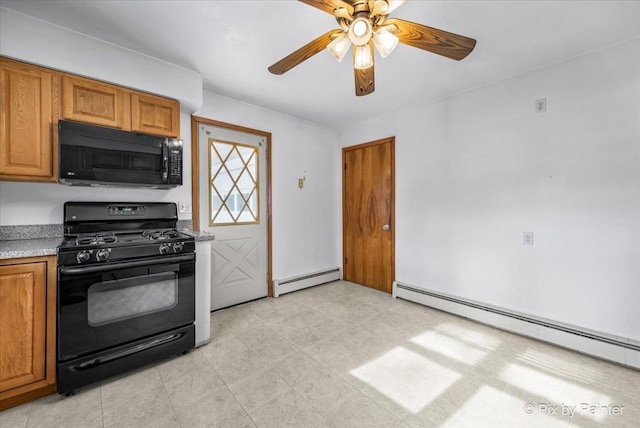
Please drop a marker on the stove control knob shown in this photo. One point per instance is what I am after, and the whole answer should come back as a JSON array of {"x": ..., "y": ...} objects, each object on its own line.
[
  {"x": 83, "y": 256},
  {"x": 177, "y": 247},
  {"x": 102, "y": 254},
  {"x": 165, "y": 248}
]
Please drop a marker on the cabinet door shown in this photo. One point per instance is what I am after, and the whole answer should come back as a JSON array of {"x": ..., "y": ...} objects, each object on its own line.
[
  {"x": 22, "y": 324},
  {"x": 155, "y": 115},
  {"x": 94, "y": 102},
  {"x": 27, "y": 95}
]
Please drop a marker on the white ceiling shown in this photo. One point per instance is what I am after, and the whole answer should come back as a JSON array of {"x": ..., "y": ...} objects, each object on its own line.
[{"x": 231, "y": 43}]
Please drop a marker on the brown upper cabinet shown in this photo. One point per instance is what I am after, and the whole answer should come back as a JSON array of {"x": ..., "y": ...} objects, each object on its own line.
[
  {"x": 88, "y": 101},
  {"x": 155, "y": 115},
  {"x": 33, "y": 99},
  {"x": 28, "y": 112}
]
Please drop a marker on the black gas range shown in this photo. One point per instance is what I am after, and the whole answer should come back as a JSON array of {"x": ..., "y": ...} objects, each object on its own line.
[
  {"x": 126, "y": 289},
  {"x": 113, "y": 232}
]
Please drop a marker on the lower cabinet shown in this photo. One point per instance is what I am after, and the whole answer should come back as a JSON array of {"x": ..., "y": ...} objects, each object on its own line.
[{"x": 27, "y": 329}]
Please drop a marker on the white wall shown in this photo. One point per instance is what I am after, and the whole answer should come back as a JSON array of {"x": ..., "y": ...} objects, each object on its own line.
[
  {"x": 31, "y": 40},
  {"x": 305, "y": 228},
  {"x": 477, "y": 170}
]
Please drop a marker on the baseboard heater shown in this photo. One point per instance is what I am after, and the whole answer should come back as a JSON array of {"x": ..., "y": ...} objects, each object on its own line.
[
  {"x": 295, "y": 283},
  {"x": 613, "y": 348}
]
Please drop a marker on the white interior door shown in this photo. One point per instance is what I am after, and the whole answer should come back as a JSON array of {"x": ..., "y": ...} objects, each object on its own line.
[{"x": 233, "y": 206}]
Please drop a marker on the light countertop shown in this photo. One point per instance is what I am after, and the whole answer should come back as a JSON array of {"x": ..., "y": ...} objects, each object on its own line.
[
  {"x": 29, "y": 248},
  {"x": 199, "y": 235}
]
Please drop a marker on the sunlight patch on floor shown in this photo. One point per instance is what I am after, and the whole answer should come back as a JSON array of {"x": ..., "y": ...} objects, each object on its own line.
[
  {"x": 407, "y": 378},
  {"x": 476, "y": 338},
  {"x": 549, "y": 363},
  {"x": 489, "y": 407},
  {"x": 557, "y": 390},
  {"x": 449, "y": 347}
]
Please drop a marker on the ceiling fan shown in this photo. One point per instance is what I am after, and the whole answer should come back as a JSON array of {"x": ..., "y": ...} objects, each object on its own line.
[{"x": 365, "y": 24}]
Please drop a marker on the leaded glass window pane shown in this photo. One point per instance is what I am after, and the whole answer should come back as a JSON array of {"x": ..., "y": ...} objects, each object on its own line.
[{"x": 233, "y": 182}]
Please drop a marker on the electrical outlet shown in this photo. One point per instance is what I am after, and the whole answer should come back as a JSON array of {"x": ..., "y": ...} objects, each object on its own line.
[
  {"x": 184, "y": 207},
  {"x": 541, "y": 105},
  {"x": 527, "y": 238}
]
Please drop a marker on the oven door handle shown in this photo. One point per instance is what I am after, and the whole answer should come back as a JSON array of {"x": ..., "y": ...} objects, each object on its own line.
[{"x": 79, "y": 270}]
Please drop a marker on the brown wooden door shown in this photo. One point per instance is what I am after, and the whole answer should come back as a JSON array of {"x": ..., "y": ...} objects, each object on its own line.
[
  {"x": 368, "y": 188},
  {"x": 27, "y": 111},
  {"x": 27, "y": 329},
  {"x": 23, "y": 310}
]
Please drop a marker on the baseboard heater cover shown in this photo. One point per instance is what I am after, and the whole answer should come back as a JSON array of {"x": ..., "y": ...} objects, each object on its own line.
[
  {"x": 295, "y": 283},
  {"x": 613, "y": 348}
]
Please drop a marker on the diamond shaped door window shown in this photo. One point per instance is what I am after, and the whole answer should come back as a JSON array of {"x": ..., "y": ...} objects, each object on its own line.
[{"x": 233, "y": 183}]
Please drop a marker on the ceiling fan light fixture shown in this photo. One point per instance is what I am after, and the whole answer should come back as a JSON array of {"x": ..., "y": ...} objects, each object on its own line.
[
  {"x": 360, "y": 31},
  {"x": 365, "y": 24},
  {"x": 339, "y": 47},
  {"x": 385, "y": 41},
  {"x": 363, "y": 58}
]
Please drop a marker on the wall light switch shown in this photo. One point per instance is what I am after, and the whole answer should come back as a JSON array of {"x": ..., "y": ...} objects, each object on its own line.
[
  {"x": 184, "y": 207},
  {"x": 527, "y": 238}
]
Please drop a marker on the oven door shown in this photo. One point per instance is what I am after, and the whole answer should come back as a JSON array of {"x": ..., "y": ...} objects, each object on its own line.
[{"x": 106, "y": 305}]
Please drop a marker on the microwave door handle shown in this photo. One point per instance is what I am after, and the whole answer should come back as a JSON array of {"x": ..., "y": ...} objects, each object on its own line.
[{"x": 165, "y": 163}]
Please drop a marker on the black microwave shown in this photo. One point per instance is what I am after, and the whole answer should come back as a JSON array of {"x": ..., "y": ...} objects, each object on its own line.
[{"x": 91, "y": 155}]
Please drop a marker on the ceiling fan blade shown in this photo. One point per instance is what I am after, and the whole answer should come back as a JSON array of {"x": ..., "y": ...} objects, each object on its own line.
[
  {"x": 304, "y": 53},
  {"x": 364, "y": 78},
  {"x": 329, "y": 5},
  {"x": 378, "y": 7},
  {"x": 342, "y": 12},
  {"x": 394, "y": 4},
  {"x": 430, "y": 39},
  {"x": 365, "y": 83}
]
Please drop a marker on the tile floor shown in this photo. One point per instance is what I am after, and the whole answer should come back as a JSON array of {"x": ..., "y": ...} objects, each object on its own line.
[{"x": 342, "y": 355}]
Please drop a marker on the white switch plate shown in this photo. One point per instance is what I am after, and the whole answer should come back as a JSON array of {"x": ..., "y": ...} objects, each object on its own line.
[
  {"x": 184, "y": 207},
  {"x": 527, "y": 238}
]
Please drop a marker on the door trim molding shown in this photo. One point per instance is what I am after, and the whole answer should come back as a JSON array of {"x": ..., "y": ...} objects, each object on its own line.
[
  {"x": 195, "y": 182},
  {"x": 392, "y": 141}
]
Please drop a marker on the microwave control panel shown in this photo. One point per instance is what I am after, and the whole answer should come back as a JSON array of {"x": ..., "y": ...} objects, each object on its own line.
[{"x": 175, "y": 163}]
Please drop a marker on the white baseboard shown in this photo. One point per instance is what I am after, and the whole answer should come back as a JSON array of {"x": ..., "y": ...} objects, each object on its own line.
[
  {"x": 613, "y": 348},
  {"x": 295, "y": 283}
]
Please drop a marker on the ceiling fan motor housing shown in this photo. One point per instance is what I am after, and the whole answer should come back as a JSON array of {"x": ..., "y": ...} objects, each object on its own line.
[{"x": 360, "y": 6}]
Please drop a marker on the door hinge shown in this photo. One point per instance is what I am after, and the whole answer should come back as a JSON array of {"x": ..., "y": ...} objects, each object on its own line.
[
  {"x": 345, "y": 166},
  {"x": 345, "y": 260}
]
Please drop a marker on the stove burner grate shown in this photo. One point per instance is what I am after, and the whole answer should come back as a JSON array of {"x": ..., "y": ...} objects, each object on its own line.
[
  {"x": 154, "y": 235},
  {"x": 96, "y": 239}
]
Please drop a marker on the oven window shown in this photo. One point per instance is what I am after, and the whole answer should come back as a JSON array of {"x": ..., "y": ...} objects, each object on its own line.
[{"x": 121, "y": 299}]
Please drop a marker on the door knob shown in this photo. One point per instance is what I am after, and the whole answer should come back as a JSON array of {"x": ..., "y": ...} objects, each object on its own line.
[{"x": 386, "y": 227}]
